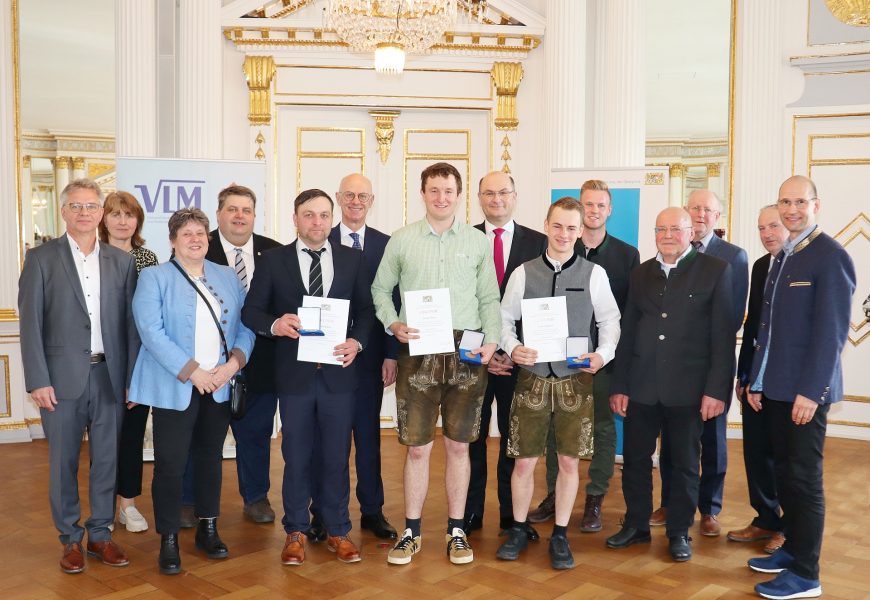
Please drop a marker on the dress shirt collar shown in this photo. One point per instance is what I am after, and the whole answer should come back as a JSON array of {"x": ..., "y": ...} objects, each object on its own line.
[
  {"x": 345, "y": 231},
  {"x": 705, "y": 241},
  {"x": 454, "y": 227},
  {"x": 789, "y": 246},
  {"x": 301, "y": 247},
  {"x": 508, "y": 227},
  {"x": 666, "y": 266},
  {"x": 557, "y": 266},
  {"x": 230, "y": 249},
  {"x": 77, "y": 250}
]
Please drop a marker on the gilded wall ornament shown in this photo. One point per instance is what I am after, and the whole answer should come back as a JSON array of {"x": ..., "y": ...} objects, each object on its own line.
[
  {"x": 384, "y": 131},
  {"x": 850, "y": 12}
]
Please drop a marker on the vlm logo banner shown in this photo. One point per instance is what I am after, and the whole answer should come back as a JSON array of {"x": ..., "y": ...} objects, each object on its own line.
[{"x": 164, "y": 185}]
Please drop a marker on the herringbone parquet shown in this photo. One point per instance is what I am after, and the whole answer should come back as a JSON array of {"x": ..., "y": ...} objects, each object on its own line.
[{"x": 29, "y": 550}]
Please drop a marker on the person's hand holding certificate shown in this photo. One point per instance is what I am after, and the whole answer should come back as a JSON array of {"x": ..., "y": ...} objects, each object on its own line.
[
  {"x": 428, "y": 311},
  {"x": 333, "y": 323},
  {"x": 545, "y": 328}
]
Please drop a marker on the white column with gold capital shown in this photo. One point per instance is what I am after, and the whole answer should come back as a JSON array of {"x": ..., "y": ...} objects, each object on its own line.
[
  {"x": 677, "y": 177},
  {"x": 9, "y": 174},
  {"x": 619, "y": 136},
  {"x": 200, "y": 91},
  {"x": 62, "y": 173},
  {"x": 565, "y": 83},
  {"x": 136, "y": 77}
]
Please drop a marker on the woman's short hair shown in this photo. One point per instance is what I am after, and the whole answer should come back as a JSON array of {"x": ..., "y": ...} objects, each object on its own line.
[
  {"x": 123, "y": 201},
  {"x": 182, "y": 217}
]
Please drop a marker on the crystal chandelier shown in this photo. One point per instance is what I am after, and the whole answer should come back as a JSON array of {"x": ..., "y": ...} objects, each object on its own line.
[{"x": 390, "y": 28}]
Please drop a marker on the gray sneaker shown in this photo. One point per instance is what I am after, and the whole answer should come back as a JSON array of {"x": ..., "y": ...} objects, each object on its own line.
[
  {"x": 560, "y": 553},
  {"x": 260, "y": 511},
  {"x": 518, "y": 540}
]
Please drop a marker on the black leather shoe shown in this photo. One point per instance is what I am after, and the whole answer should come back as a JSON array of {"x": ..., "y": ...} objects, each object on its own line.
[
  {"x": 208, "y": 540},
  {"x": 316, "y": 532},
  {"x": 169, "y": 560},
  {"x": 628, "y": 536},
  {"x": 378, "y": 525},
  {"x": 560, "y": 553},
  {"x": 505, "y": 524},
  {"x": 680, "y": 548},
  {"x": 517, "y": 541},
  {"x": 472, "y": 522}
]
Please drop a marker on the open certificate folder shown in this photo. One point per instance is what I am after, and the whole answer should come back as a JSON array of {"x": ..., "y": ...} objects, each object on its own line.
[
  {"x": 333, "y": 323},
  {"x": 545, "y": 327},
  {"x": 429, "y": 312}
]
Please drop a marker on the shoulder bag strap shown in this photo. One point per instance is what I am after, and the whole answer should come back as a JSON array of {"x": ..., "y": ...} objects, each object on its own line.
[{"x": 207, "y": 304}]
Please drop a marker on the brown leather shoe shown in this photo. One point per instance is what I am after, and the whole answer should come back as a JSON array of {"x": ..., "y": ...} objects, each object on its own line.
[
  {"x": 73, "y": 559},
  {"x": 659, "y": 517},
  {"x": 344, "y": 548},
  {"x": 750, "y": 533},
  {"x": 710, "y": 526},
  {"x": 774, "y": 543},
  {"x": 592, "y": 514},
  {"x": 294, "y": 549},
  {"x": 109, "y": 552},
  {"x": 546, "y": 509}
]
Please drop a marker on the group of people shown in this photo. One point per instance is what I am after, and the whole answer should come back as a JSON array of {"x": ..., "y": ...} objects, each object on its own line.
[{"x": 108, "y": 335}]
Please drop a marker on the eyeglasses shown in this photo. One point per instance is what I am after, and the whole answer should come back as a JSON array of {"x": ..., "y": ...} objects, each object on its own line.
[
  {"x": 701, "y": 209},
  {"x": 502, "y": 194},
  {"x": 362, "y": 196},
  {"x": 671, "y": 230},
  {"x": 78, "y": 207},
  {"x": 797, "y": 202}
]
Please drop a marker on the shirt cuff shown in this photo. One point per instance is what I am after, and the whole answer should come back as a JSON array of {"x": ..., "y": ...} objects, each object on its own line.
[{"x": 187, "y": 370}]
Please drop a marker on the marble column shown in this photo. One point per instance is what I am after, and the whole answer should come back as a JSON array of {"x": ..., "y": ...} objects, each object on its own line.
[
  {"x": 26, "y": 195},
  {"x": 677, "y": 177},
  {"x": 9, "y": 168},
  {"x": 200, "y": 123},
  {"x": 618, "y": 88},
  {"x": 565, "y": 83},
  {"x": 714, "y": 184},
  {"x": 78, "y": 167},
  {"x": 62, "y": 166},
  {"x": 135, "y": 78}
]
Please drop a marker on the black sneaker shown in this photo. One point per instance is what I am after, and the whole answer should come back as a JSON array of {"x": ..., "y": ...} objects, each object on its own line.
[
  {"x": 560, "y": 553},
  {"x": 518, "y": 540}
]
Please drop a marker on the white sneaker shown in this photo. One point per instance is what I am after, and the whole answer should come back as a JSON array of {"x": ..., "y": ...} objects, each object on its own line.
[{"x": 132, "y": 519}]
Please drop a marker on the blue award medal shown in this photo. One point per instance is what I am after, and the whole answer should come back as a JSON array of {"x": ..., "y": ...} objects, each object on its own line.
[
  {"x": 310, "y": 318},
  {"x": 470, "y": 340},
  {"x": 575, "y": 347}
]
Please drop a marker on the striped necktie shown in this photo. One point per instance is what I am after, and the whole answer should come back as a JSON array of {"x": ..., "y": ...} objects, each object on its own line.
[
  {"x": 241, "y": 272},
  {"x": 355, "y": 237},
  {"x": 315, "y": 274}
]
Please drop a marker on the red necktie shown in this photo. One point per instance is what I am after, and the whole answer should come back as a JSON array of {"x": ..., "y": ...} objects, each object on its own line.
[{"x": 498, "y": 254}]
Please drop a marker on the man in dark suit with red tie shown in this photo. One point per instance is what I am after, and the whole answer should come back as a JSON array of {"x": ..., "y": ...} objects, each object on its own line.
[
  {"x": 376, "y": 366},
  {"x": 512, "y": 245},
  {"x": 316, "y": 399}
]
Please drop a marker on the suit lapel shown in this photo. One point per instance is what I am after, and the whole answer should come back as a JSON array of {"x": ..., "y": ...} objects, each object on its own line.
[
  {"x": 292, "y": 264},
  {"x": 514, "y": 256},
  {"x": 69, "y": 265},
  {"x": 337, "y": 269}
]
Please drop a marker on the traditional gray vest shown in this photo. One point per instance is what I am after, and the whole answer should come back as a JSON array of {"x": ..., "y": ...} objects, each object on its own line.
[{"x": 573, "y": 283}]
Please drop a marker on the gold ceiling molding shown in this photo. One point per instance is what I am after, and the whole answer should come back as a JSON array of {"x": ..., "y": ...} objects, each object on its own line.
[
  {"x": 384, "y": 131},
  {"x": 479, "y": 12},
  {"x": 259, "y": 72},
  {"x": 678, "y": 170},
  {"x": 62, "y": 162},
  {"x": 850, "y": 12},
  {"x": 78, "y": 163},
  {"x": 98, "y": 169},
  {"x": 714, "y": 169}
]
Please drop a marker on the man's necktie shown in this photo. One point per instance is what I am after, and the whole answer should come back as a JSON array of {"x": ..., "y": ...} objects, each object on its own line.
[
  {"x": 355, "y": 237},
  {"x": 241, "y": 272},
  {"x": 699, "y": 246},
  {"x": 315, "y": 274},
  {"x": 498, "y": 254}
]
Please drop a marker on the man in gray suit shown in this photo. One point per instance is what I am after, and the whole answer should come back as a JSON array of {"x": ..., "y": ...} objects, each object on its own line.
[{"x": 78, "y": 345}]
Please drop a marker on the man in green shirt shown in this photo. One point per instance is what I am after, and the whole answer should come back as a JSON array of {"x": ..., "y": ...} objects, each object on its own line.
[{"x": 439, "y": 251}]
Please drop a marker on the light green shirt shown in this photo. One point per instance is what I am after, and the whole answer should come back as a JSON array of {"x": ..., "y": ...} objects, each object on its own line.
[{"x": 416, "y": 258}]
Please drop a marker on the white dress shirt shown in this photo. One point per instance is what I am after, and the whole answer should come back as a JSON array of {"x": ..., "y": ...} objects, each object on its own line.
[
  {"x": 247, "y": 254},
  {"x": 604, "y": 307},
  {"x": 346, "y": 240},
  {"x": 326, "y": 269},
  {"x": 507, "y": 237},
  {"x": 666, "y": 267},
  {"x": 88, "y": 269}
]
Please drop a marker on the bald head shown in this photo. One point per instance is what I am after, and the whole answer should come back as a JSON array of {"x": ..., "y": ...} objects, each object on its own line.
[
  {"x": 355, "y": 198},
  {"x": 705, "y": 209},
  {"x": 798, "y": 204},
  {"x": 673, "y": 233},
  {"x": 498, "y": 197}
]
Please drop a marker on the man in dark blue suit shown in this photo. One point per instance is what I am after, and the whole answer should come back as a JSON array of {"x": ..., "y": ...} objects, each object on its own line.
[
  {"x": 796, "y": 375},
  {"x": 316, "y": 400},
  {"x": 705, "y": 209},
  {"x": 376, "y": 366}
]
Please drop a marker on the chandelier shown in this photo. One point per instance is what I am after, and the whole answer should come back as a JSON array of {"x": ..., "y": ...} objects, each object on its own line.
[{"x": 390, "y": 28}]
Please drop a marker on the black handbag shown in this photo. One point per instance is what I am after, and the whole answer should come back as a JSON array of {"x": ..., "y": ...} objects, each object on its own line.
[{"x": 238, "y": 387}]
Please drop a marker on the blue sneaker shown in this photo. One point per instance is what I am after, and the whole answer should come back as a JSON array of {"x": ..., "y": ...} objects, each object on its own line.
[
  {"x": 788, "y": 585},
  {"x": 777, "y": 562}
]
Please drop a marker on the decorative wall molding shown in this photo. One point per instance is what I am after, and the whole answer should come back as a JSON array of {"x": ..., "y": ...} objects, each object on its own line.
[
  {"x": 384, "y": 131},
  {"x": 259, "y": 72}
]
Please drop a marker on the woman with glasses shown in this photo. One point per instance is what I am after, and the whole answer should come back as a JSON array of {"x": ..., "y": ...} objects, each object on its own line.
[
  {"x": 187, "y": 311},
  {"x": 121, "y": 226}
]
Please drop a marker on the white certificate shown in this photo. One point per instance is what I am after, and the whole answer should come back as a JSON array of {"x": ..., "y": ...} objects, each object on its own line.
[
  {"x": 429, "y": 311},
  {"x": 333, "y": 323},
  {"x": 545, "y": 327}
]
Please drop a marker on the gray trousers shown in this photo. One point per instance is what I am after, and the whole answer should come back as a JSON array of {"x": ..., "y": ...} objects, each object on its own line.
[{"x": 100, "y": 413}]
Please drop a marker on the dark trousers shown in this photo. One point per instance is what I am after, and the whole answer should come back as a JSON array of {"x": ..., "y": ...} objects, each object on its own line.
[
  {"x": 328, "y": 418},
  {"x": 98, "y": 411},
  {"x": 798, "y": 453},
  {"x": 500, "y": 388},
  {"x": 714, "y": 463},
  {"x": 759, "y": 463},
  {"x": 604, "y": 435},
  {"x": 253, "y": 434},
  {"x": 642, "y": 426},
  {"x": 130, "y": 450},
  {"x": 198, "y": 431},
  {"x": 367, "y": 444}
]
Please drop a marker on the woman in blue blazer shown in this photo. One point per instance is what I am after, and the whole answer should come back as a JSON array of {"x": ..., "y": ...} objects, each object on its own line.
[{"x": 182, "y": 372}]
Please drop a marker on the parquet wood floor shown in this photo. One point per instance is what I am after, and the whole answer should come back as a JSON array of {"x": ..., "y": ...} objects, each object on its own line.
[{"x": 29, "y": 550}]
